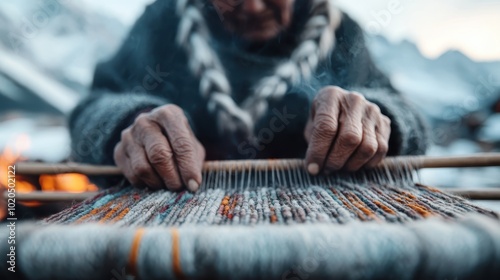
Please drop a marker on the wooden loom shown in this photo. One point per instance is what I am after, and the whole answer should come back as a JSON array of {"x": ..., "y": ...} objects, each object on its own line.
[
  {"x": 375, "y": 228},
  {"x": 414, "y": 162}
]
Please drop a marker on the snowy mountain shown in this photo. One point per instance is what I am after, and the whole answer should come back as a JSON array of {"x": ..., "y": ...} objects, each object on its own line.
[
  {"x": 51, "y": 48},
  {"x": 63, "y": 38},
  {"x": 446, "y": 88}
]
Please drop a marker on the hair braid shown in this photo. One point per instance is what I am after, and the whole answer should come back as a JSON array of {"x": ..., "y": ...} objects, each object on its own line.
[
  {"x": 317, "y": 41},
  {"x": 193, "y": 36}
]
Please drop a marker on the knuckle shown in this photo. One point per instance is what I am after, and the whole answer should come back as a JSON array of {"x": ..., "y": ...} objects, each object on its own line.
[
  {"x": 142, "y": 117},
  {"x": 383, "y": 148},
  {"x": 172, "y": 111},
  {"x": 356, "y": 97},
  {"x": 142, "y": 120},
  {"x": 325, "y": 124},
  {"x": 368, "y": 149},
  {"x": 159, "y": 155},
  {"x": 126, "y": 134},
  {"x": 373, "y": 108},
  {"x": 330, "y": 90},
  {"x": 350, "y": 138},
  {"x": 327, "y": 94},
  {"x": 387, "y": 121},
  {"x": 182, "y": 145},
  {"x": 141, "y": 170}
]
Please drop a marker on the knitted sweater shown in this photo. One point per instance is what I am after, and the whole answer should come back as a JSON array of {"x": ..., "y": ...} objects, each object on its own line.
[{"x": 150, "y": 70}]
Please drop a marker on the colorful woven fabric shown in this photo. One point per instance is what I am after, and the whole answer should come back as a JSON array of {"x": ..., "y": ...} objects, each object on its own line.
[
  {"x": 369, "y": 227},
  {"x": 338, "y": 203}
]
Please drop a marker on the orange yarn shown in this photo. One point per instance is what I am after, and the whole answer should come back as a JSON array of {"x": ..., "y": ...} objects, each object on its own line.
[
  {"x": 111, "y": 213},
  {"x": 422, "y": 210},
  {"x": 94, "y": 212},
  {"x": 134, "y": 252},
  {"x": 384, "y": 207},
  {"x": 360, "y": 205},
  {"x": 176, "y": 255},
  {"x": 121, "y": 215}
]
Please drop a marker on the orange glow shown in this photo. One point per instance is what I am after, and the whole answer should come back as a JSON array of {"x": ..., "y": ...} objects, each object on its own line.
[
  {"x": 48, "y": 183},
  {"x": 66, "y": 182},
  {"x": 8, "y": 157}
]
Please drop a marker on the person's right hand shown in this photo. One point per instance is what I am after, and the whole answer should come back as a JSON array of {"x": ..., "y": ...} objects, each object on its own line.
[{"x": 160, "y": 151}]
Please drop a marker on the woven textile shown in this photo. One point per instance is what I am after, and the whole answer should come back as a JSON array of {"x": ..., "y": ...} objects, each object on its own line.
[
  {"x": 340, "y": 203},
  {"x": 322, "y": 229}
]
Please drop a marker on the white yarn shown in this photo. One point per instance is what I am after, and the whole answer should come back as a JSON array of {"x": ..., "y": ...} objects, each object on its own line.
[
  {"x": 428, "y": 249},
  {"x": 318, "y": 40}
]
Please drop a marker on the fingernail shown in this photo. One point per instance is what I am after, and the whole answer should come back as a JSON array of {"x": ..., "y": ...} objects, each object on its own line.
[
  {"x": 192, "y": 185},
  {"x": 313, "y": 168}
]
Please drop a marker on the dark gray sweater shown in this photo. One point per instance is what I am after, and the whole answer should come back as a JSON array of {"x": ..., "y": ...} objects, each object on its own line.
[{"x": 150, "y": 70}]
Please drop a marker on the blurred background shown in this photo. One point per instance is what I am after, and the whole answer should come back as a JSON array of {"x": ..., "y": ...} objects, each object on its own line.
[{"x": 443, "y": 55}]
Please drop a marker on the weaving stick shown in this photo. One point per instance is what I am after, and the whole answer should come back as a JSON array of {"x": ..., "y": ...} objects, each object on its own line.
[
  {"x": 418, "y": 162},
  {"x": 41, "y": 196}
]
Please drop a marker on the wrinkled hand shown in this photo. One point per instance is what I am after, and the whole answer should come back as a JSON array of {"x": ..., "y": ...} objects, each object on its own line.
[
  {"x": 345, "y": 131},
  {"x": 160, "y": 151}
]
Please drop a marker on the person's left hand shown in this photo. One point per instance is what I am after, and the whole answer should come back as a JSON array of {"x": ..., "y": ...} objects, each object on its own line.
[{"x": 345, "y": 131}]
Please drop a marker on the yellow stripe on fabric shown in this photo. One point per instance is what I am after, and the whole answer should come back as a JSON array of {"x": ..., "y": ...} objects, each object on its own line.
[
  {"x": 176, "y": 255},
  {"x": 134, "y": 252}
]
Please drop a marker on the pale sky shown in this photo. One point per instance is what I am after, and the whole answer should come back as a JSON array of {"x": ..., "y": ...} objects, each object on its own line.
[{"x": 471, "y": 26}]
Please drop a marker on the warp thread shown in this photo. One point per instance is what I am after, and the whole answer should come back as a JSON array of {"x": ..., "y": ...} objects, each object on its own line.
[{"x": 339, "y": 203}]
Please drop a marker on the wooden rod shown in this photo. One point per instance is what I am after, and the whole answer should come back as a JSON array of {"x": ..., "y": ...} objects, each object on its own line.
[
  {"x": 477, "y": 194},
  {"x": 476, "y": 160},
  {"x": 40, "y": 196}
]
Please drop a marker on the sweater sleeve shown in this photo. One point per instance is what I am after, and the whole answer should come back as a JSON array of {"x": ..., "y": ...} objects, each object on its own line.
[
  {"x": 96, "y": 124},
  {"x": 131, "y": 81}
]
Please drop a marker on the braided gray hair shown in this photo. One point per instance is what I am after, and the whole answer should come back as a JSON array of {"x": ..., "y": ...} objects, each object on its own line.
[{"x": 316, "y": 42}]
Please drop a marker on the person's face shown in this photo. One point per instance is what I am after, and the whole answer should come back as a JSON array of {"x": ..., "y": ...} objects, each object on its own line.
[{"x": 257, "y": 20}]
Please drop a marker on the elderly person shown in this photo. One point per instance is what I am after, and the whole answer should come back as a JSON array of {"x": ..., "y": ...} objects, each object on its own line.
[{"x": 232, "y": 79}]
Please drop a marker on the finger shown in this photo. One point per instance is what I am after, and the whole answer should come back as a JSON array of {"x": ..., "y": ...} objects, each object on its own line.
[
  {"x": 323, "y": 129},
  {"x": 383, "y": 133},
  {"x": 366, "y": 150},
  {"x": 184, "y": 146},
  {"x": 308, "y": 130},
  {"x": 201, "y": 157},
  {"x": 350, "y": 131},
  {"x": 123, "y": 162},
  {"x": 161, "y": 157},
  {"x": 146, "y": 134},
  {"x": 142, "y": 168},
  {"x": 310, "y": 123}
]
